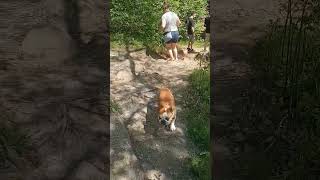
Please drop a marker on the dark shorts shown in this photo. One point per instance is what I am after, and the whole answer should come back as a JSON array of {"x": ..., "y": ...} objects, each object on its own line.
[{"x": 174, "y": 39}]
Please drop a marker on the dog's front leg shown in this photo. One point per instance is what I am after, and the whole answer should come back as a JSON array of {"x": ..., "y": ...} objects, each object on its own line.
[{"x": 172, "y": 121}]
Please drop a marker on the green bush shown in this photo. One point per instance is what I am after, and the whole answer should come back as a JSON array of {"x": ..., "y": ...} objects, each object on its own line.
[
  {"x": 201, "y": 166},
  {"x": 197, "y": 116},
  {"x": 286, "y": 62},
  {"x": 138, "y": 20}
]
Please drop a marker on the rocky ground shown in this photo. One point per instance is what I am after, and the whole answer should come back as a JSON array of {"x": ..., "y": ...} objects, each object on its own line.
[
  {"x": 141, "y": 148},
  {"x": 53, "y": 87}
]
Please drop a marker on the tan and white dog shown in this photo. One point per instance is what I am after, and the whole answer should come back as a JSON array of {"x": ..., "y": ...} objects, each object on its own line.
[{"x": 167, "y": 108}]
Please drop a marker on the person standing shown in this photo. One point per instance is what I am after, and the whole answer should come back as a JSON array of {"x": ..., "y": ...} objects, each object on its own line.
[
  {"x": 190, "y": 31},
  {"x": 169, "y": 24}
]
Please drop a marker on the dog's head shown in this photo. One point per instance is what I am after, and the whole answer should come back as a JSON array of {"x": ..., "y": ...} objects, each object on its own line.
[{"x": 165, "y": 114}]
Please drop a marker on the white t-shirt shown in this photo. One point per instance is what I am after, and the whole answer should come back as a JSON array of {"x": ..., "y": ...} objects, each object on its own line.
[{"x": 169, "y": 21}]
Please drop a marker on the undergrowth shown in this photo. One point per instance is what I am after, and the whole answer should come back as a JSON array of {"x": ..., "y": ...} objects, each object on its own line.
[
  {"x": 114, "y": 107},
  {"x": 197, "y": 117},
  {"x": 283, "y": 111}
]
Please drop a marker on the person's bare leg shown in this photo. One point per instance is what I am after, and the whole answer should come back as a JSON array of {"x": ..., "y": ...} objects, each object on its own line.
[
  {"x": 175, "y": 50},
  {"x": 169, "y": 48}
]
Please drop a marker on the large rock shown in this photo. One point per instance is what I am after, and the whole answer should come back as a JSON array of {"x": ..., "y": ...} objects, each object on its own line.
[
  {"x": 121, "y": 73},
  {"x": 124, "y": 76},
  {"x": 47, "y": 46}
]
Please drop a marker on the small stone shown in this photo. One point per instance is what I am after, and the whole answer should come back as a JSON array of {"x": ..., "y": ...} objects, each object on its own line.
[{"x": 124, "y": 76}]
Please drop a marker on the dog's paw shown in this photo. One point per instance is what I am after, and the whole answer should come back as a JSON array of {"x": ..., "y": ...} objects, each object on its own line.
[{"x": 172, "y": 127}]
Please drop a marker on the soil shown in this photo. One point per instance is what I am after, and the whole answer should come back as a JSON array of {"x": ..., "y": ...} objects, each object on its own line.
[
  {"x": 147, "y": 150},
  {"x": 157, "y": 153}
]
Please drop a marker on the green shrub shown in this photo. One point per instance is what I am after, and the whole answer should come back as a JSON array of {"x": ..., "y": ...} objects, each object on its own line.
[
  {"x": 286, "y": 64},
  {"x": 139, "y": 20},
  {"x": 114, "y": 107},
  {"x": 201, "y": 166},
  {"x": 197, "y": 117}
]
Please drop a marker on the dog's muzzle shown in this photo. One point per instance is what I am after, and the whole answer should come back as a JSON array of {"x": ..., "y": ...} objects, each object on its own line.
[{"x": 164, "y": 121}]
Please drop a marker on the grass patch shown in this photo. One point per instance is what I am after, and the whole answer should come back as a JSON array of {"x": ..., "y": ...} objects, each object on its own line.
[
  {"x": 114, "y": 107},
  {"x": 197, "y": 116},
  {"x": 201, "y": 166},
  {"x": 117, "y": 44},
  {"x": 196, "y": 44}
]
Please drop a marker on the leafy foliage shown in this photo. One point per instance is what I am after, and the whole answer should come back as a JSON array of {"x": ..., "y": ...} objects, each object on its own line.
[
  {"x": 201, "y": 166},
  {"x": 135, "y": 20},
  {"x": 287, "y": 64},
  {"x": 138, "y": 20},
  {"x": 114, "y": 107},
  {"x": 184, "y": 8}
]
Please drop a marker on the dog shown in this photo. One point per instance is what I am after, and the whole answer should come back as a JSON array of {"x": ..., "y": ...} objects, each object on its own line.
[{"x": 167, "y": 108}]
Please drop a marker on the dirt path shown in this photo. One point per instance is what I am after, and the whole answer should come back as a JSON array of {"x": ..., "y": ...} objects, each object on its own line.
[
  {"x": 236, "y": 26},
  {"x": 138, "y": 148}
]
